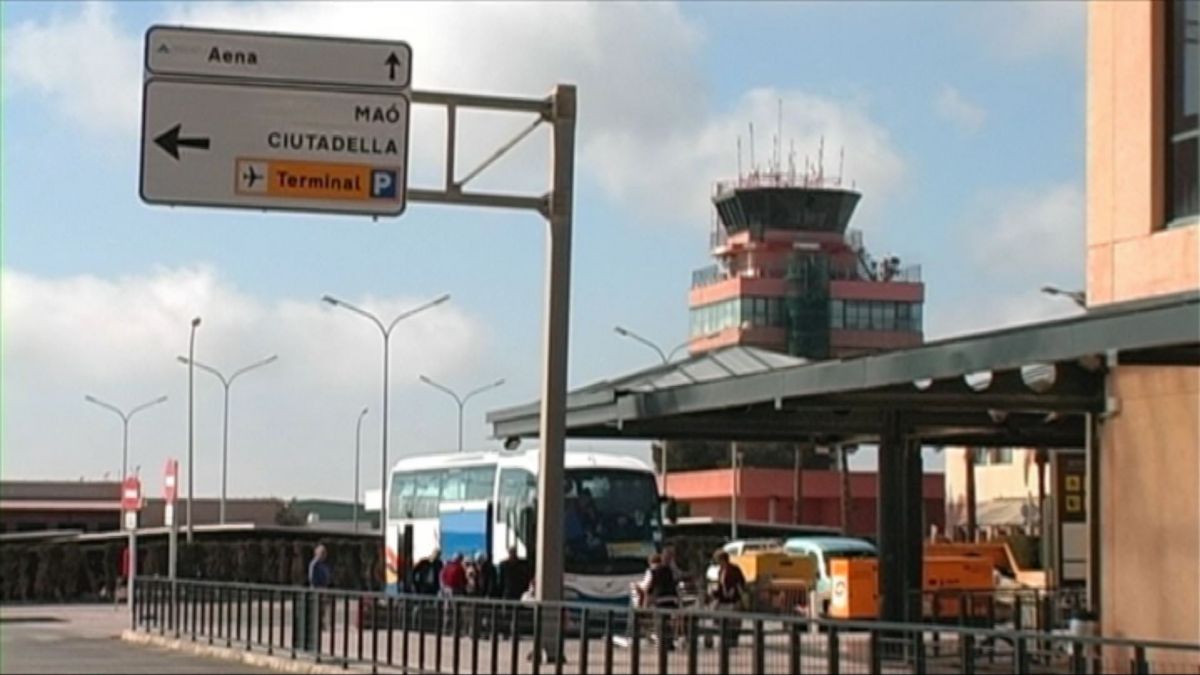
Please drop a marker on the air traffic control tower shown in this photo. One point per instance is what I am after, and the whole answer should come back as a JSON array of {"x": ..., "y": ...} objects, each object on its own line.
[{"x": 790, "y": 276}]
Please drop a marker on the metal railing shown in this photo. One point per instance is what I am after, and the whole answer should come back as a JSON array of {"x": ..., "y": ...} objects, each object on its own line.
[{"x": 466, "y": 635}]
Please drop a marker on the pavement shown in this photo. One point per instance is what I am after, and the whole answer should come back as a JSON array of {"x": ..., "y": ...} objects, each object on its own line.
[{"x": 87, "y": 639}]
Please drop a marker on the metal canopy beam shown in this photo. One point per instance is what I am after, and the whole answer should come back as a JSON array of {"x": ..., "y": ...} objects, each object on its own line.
[{"x": 1163, "y": 332}]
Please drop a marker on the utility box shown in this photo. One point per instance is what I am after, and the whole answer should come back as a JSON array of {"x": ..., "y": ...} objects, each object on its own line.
[{"x": 855, "y": 593}]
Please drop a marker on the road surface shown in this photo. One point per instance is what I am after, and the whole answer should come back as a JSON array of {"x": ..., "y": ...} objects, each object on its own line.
[{"x": 86, "y": 639}]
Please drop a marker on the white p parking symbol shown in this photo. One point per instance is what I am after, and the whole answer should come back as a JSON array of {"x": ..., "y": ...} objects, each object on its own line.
[{"x": 383, "y": 183}]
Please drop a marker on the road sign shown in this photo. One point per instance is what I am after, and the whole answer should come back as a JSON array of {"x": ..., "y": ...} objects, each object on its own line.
[
  {"x": 271, "y": 121},
  {"x": 276, "y": 57},
  {"x": 131, "y": 494},
  {"x": 223, "y": 144},
  {"x": 170, "y": 480}
]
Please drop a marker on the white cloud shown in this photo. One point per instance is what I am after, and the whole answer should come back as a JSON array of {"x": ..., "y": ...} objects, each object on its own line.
[
  {"x": 118, "y": 339},
  {"x": 953, "y": 107},
  {"x": 647, "y": 129},
  {"x": 1026, "y": 238},
  {"x": 1022, "y": 30},
  {"x": 82, "y": 62},
  {"x": 988, "y": 311},
  {"x": 1031, "y": 230}
]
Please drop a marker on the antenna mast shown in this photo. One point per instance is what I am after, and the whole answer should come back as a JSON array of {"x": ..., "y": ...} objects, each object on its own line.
[
  {"x": 753, "y": 166},
  {"x": 841, "y": 164}
]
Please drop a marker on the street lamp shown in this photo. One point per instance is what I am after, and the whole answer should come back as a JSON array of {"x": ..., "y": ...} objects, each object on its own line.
[
  {"x": 666, "y": 358},
  {"x": 461, "y": 401},
  {"x": 386, "y": 331},
  {"x": 1079, "y": 297},
  {"x": 191, "y": 423},
  {"x": 357, "y": 444},
  {"x": 227, "y": 383},
  {"x": 125, "y": 417}
]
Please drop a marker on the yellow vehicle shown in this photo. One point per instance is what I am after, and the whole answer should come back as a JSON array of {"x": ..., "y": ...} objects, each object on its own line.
[{"x": 949, "y": 579}]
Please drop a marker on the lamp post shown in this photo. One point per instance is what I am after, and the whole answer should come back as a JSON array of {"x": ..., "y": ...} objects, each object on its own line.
[
  {"x": 1078, "y": 297},
  {"x": 461, "y": 401},
  {"x": 357, "y": 445},
  {"x": 125, "y": 417},
  {"x": 191, "y": 424},
  {"x": 666, "y": 358},
  {"x": 386, "y": 331},
  {"x": 226, "y": 383}
]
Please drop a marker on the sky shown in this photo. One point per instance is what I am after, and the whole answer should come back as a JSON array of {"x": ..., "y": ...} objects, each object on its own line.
[{"x": 962, "y": 124}]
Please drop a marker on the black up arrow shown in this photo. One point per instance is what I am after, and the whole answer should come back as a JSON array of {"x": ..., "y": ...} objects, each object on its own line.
[
  {"x": 392, "y": 62},
  {"x": 170, "y": 141}
]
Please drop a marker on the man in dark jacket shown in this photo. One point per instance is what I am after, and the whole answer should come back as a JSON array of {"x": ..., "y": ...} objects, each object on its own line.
[
  {"x": 514, "y": 576},
  {"x": 427, "y": 574}
]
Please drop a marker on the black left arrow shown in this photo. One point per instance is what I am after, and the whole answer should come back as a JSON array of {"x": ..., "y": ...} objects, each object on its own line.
[
  {"x": 170, "y": 141},
  {"x": 392, "y": 62}
]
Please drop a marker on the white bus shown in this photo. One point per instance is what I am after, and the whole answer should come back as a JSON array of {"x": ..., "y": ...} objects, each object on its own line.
[{"x": 612, "y": 519}]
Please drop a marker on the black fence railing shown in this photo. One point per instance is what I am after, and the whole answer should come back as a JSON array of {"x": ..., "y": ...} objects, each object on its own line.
[
  {"x": 1040, "y": 610},
  {"x": 423, "y": 634}
]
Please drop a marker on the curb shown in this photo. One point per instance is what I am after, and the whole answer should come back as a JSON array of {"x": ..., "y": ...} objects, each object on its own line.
[{"x": 255, "y": 659}]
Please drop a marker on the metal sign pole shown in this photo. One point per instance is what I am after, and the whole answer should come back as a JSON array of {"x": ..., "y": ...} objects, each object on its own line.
[{"x": 554, "y": 376}]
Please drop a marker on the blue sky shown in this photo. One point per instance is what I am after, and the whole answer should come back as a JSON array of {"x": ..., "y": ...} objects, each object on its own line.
[{"x": 961, "y": 122}]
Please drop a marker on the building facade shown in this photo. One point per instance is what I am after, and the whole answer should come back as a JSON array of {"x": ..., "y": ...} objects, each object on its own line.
[
  {"x": 789, "y": 276},
  {"x": 1143, "y": 217},
  {"x": 769, "y": 496},
  {"x": 1006, "y": 490}
]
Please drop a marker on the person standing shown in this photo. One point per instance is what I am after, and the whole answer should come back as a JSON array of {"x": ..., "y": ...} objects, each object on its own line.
[
  {"x": 427, "y": 573},
  {"x": 319, "y": 573},
  {"x": 454, "y": 577},
  {"x": 319, "y": 577},
  {"x": 728, "y": 594},
  {"x": 514, "y": 576}
]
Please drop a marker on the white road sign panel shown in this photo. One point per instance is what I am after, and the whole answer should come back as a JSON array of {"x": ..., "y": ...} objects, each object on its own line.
[
  {"x": 282, "y": 58},
  {"x": 274, "y": 147}
]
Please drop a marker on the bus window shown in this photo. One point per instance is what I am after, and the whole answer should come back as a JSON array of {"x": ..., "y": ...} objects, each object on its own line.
[
  {"x": 518, "y": 488},
  {"x": 403, "y": 485},
  {"x": 479, "y": 482},
  {"x": 428, "y": 492},
  {"x": 454, "y": 486}
]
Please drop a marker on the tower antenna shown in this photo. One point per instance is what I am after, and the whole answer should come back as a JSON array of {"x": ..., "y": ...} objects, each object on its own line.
[
  {"x": 779, "y": 139},
  {"x": 792, "y": 161},
  {"x": 753, "y": 166},
  {"x": 821, "y": 160},
  {"x": 841, "y": 164}
]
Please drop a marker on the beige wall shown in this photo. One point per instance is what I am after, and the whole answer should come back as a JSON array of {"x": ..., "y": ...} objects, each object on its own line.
[
  {"x": 1129, "y": 255},
  {"x": 993, "y": 481},
  {"x": 1149, "y": 457},
  {"x": 1150, "y": 505}
]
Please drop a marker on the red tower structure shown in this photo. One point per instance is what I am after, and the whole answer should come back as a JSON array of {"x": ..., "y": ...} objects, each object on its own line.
[{"x": 789, "y": 276}]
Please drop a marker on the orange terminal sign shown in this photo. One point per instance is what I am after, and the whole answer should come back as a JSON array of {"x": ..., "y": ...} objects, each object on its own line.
[{"x": 316, "y": 180}]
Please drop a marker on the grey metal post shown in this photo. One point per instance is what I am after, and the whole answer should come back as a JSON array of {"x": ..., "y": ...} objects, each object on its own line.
[
  {"x": 224, "y": 456},
  {"x": 383, "y": 460},
  {"x": 460, "y": 401},
  {"x": 124, "y": 446},
  {"x": 386, "y": 331},
  {"x": 357, "y": 446},
  {"x": 227, "y": 383},
  {"x": 191, "y": 426},
  {"x": 733, "y": 494},
  {"x": 554, "y": 377}
]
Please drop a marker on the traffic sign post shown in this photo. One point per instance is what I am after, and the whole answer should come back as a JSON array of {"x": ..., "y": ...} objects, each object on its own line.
[
  {"x": 328, "y": 143},
  {"x": 275, "y": 122},
  {"x": 170, "y": 491},
  {"x": 131, "y": 503}
]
